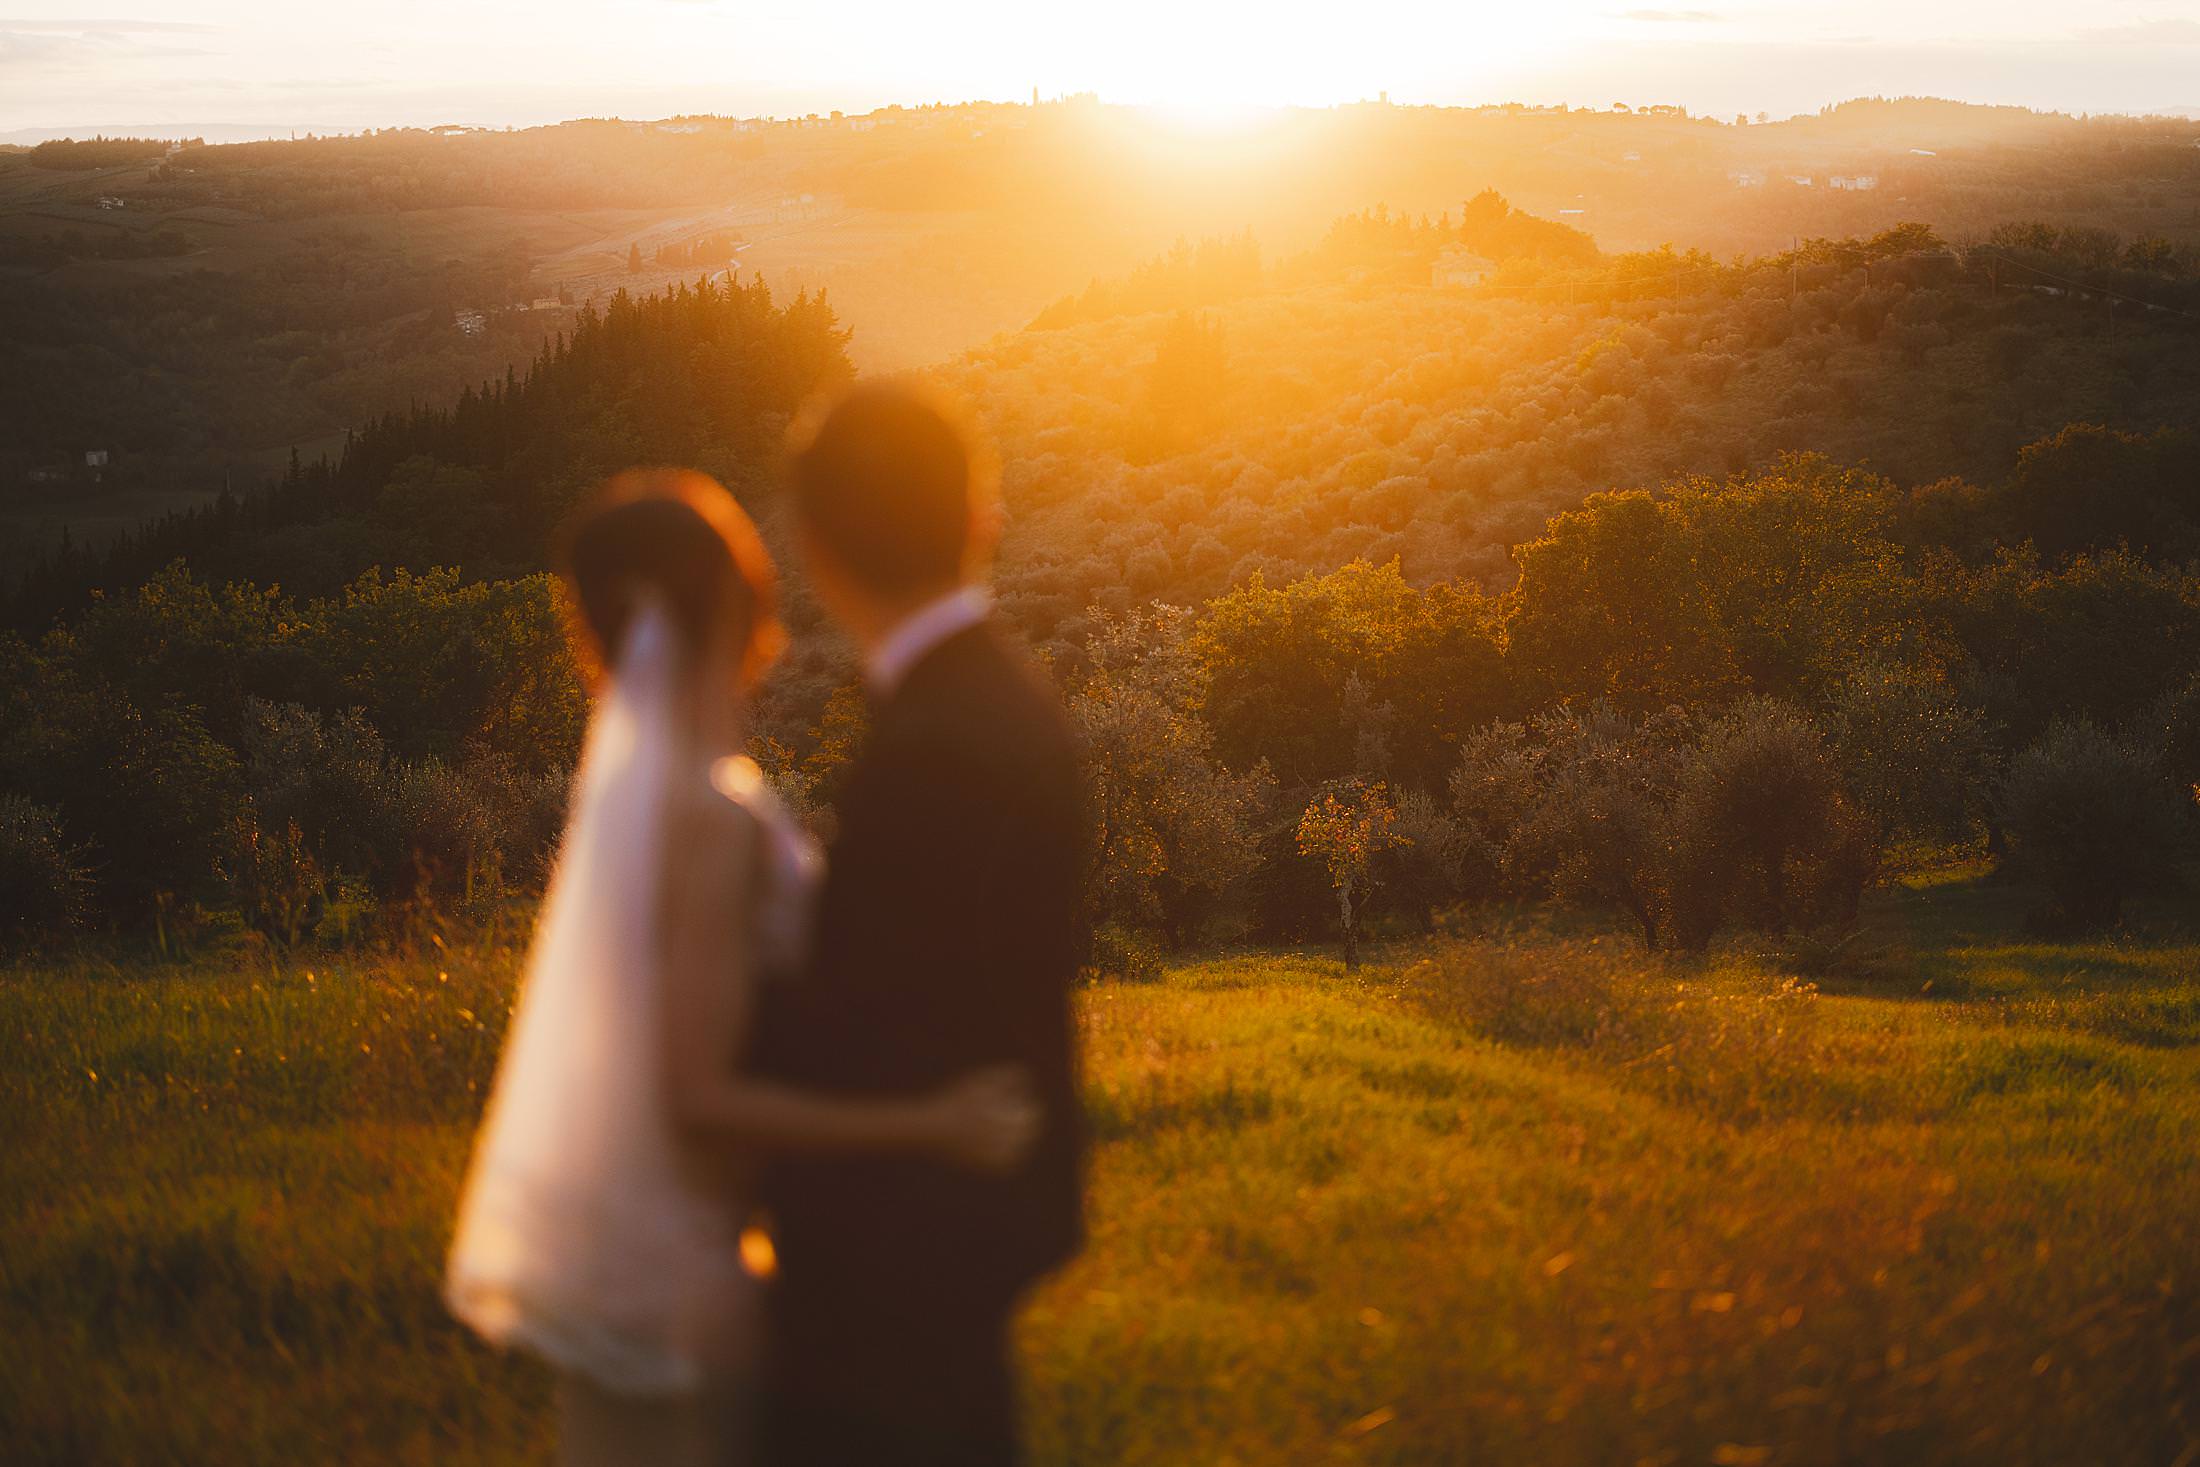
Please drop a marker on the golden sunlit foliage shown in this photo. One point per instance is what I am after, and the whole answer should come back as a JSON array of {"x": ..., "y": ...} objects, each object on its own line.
[{"x": 1318, "y": 423}]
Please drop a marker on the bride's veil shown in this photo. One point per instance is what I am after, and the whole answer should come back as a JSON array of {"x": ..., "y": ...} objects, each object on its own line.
[{"x": 577, "y": 1237}]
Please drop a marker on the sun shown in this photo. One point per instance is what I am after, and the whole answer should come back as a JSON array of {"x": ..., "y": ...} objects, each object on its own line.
[
  {"x": 1211, "y": 117},
  {"x": 1216, "y": 71}
]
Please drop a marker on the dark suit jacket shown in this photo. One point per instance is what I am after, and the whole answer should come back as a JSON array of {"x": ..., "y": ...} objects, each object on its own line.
[{"x": 946, "y": 941}]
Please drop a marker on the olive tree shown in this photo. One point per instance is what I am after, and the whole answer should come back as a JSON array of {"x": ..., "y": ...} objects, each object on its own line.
[
  {"x": 1347, "y": 827},
  {"x": 2090, "y": 821}
]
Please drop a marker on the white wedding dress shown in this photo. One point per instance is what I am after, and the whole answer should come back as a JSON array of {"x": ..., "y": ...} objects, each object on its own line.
[{"x": 585, "y": 1235}]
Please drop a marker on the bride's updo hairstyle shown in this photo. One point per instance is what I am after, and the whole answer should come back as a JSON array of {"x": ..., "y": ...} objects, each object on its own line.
[{"x": 678, "y": 536}]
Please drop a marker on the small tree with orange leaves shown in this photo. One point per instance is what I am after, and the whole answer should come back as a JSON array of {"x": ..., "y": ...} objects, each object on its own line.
[{"x": 1347, "y": 826}]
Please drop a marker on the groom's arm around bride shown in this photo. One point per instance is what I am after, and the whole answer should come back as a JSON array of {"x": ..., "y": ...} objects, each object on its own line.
[{"x": 946, "y": 941}]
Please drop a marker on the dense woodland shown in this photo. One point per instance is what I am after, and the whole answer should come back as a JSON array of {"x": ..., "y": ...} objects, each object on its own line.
[
  {"x": 240, "y": 299},
  {"x": 1436, "y": 557},
  {"x": 1687, "y": 603},
  {"x": 186, "y": 376}
]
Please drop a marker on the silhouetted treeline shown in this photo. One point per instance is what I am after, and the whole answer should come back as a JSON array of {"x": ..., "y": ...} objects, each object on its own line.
[
  {"x": 101, "y": 152},
  {"x": 186, "y": 377},
  {"x": 703, "y": 375}
]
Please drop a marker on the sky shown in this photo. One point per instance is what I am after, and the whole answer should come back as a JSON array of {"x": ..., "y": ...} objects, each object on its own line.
[{"x": 310, "y": 64}]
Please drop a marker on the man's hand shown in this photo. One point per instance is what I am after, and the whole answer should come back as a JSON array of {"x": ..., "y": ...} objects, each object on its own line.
[{"x": 988, "y": 1120}]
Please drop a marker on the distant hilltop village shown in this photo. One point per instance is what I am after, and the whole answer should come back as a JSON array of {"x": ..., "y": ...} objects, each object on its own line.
[
  {"x": 1926, "y": 111},
  {"x": 922, "y": 116}
]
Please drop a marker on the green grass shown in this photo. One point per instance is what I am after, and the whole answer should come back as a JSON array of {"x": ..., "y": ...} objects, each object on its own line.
[{"x": 1526, "y": 1197}]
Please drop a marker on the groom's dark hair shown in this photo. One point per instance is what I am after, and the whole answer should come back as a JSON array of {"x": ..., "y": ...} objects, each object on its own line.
[{"x": 886, "y": 479}]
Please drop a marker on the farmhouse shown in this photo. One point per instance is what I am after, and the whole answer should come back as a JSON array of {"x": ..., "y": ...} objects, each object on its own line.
[{"x": 1458, "y": 269}]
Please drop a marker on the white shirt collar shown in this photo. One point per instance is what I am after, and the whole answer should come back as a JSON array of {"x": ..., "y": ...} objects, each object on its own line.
[{"x": 920, "y": 631}]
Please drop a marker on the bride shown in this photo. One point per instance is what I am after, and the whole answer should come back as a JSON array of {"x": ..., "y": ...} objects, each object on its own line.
[{"x": 601, "y": 1222}]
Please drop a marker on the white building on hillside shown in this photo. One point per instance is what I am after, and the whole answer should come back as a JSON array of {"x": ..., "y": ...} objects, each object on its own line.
[{"x": 1457, "y": 268}]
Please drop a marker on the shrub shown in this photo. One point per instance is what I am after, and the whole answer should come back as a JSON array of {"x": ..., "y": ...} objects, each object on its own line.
[
  {"x": 1428, "y": 869},
  {"x": 43, "y": 884},
  {"x": 540, "y": 803},
  {"x": 1493, "y": 786},
  {"x": 453, "y": 831},
  {"x": 1917, "y": 758},
  {"x": 273, "y": 880},
  {"x": 327, "y": 778},
  {"x": 1558, "y": 995},
  {"x": 2174, "y": 726},
  {"x": 327, "y": 803},
  {"x": 1289, "y": 895},
  {"x": 1744, "y": 1050},
  {"x": 1121, "y": 953},
  {"x": 2104, "y": 638},
  {"x": 527, "y": 812},
  {"x": 1170, "y": 830},
  {"x": 2090, "y": 821},
  {"x": 1279, "y": 664},
  {"x": 1764, "y": 834},
  {"x": 1600, "y": 830},
  {"x": 2090, "y": 487},
  {"x": 157, "y": 803},
  {"x": 1684, "y": 832}
]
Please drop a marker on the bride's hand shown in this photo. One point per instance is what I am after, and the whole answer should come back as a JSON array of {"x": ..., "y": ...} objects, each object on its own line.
[{"x": 988, "y": 1119}]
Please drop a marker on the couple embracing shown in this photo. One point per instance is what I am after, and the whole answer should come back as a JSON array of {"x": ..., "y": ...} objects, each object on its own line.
[{"x": 873, "y": 1046}]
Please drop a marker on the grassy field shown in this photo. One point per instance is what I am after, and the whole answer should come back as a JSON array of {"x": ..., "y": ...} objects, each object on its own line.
[{"x": 1520, "y": 1196}]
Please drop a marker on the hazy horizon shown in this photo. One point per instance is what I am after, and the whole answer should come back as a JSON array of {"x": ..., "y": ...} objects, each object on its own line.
[
  {"x": 218, "y": 131},
  {"x": 259, "y": 67}
]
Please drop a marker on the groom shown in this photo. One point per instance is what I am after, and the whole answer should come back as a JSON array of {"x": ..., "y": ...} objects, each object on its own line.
[{"x": 945, "y": 942}]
